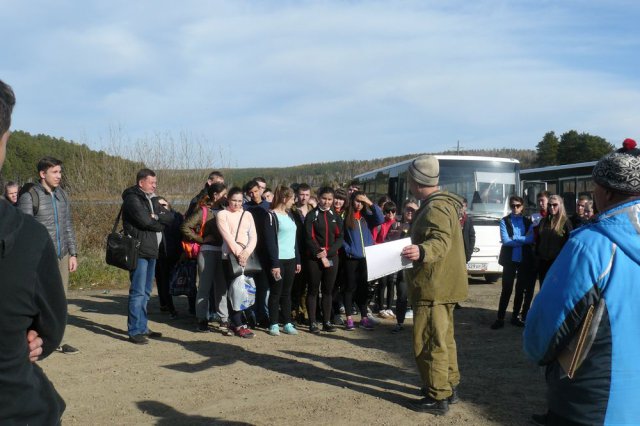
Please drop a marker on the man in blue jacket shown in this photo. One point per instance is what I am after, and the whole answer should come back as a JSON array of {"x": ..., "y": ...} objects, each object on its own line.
[{"x": 598, "y": 267}]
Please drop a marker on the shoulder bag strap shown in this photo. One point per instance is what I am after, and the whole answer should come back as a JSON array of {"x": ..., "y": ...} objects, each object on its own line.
[
  {"x": 204, "y": 219},
  {"x": 239, "y": 223},
  {"x": 115, "y": 224}
]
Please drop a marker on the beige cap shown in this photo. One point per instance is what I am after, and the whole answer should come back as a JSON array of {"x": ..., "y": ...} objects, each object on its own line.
[{"x": 425, "y": 170}]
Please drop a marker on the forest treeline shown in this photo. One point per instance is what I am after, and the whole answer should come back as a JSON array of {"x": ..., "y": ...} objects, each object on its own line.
[{"x": 98, "y": 175}]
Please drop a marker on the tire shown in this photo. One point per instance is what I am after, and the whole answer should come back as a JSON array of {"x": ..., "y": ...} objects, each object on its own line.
[{"x": 491, "y": 278}]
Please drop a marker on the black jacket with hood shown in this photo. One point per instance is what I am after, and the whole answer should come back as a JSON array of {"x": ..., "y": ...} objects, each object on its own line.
[{"x": 31, "y": 298}]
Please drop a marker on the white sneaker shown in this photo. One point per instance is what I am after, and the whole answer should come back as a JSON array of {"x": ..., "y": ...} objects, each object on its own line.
[
  {"x": 409, "y": 313},
  {"x": 374, "y": 320},
  {"x": 383, "y": 313}
]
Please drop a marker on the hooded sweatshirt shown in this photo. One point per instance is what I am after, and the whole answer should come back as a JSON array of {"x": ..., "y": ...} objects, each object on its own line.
[
  {"x": 31, "y": 298},
  {"x": 601, "y": 261}
]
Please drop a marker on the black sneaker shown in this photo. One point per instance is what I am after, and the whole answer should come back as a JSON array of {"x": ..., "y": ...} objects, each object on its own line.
[
  {"x": 499, "y": 323},
  {"x": 337, "y": 320},
  {"x": 397, "y": 329},
  {"x": 313, "y": 328},
  {"x": 432, "y": 406},
  {"x": 153, "y": 334},
  {"x": 328, "y": 327},
  {"x": 139, "y": 339},
  {"x": 203, "y": 327},
  {"x": 517, "y": 322},
  {"x": 67, "y": 350}
]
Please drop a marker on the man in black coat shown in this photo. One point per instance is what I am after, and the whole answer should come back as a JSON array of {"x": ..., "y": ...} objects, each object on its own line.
[
  {"x": 141, "y": 221},
  {"x": 32, "y": 301}
]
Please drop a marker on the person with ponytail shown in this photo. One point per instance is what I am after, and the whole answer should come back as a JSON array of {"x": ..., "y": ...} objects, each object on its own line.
[
  {"x": 361, "y": 216},
  {"x": 324, "y": 236},
  {"x": 284, "y": 259},
  {"x": 212, "y": 284}
]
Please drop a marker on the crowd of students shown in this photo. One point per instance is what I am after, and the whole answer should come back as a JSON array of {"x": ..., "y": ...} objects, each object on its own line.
[{"x": 313, "y": 269}]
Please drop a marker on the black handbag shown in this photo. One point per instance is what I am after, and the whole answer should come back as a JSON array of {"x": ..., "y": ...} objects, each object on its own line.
[
  {"x": 253, "y": 264},
  {"x": 122, "y": 249}
]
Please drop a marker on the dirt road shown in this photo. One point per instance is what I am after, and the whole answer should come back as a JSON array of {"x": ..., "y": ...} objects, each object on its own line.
[{"x": 344, "y": 378}]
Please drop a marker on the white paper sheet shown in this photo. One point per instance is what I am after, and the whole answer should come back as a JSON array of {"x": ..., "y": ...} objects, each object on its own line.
[{"x": 384, "y": 259}]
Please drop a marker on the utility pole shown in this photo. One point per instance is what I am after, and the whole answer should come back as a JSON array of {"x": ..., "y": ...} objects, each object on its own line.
[{"x": 457, "y": 147}]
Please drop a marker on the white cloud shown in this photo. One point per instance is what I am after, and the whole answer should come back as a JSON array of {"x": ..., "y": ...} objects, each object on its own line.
[{"x": 291, "y": 82}]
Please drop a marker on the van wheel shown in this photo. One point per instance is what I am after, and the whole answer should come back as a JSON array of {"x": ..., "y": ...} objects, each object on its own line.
[{"x": 491, "y": 278}]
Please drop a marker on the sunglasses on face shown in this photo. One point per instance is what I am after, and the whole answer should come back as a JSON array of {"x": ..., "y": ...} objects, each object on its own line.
[
  {"x": 516, "y": 206},
  {"x": 389, "y": 211},
  {"x": 554, "y": 205}
]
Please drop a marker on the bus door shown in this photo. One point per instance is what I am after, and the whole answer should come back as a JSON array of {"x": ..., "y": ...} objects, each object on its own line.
[{"x": 531, "y": 188}]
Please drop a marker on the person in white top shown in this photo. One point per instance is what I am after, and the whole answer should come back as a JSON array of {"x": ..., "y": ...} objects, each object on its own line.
[{"x": 239, "y": 234}]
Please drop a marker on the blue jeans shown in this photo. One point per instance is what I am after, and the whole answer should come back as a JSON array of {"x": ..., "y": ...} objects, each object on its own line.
[{"x": 139, "y": 294}]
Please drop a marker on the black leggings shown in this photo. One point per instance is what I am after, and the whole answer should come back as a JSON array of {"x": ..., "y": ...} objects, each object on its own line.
[
  {"x": 164, "y": 267},
  {"x": 280, "y": 292},
  {"x": 338, "y": 288},
  {"x": 386, "y": 283},
  {"x": 524, "y": 288},
  {"x": 327, "y": 276},
  {"x": 401, "y": 302},
  {"x": 355, "y": 273},
  {"x": 543, "y": 267}
]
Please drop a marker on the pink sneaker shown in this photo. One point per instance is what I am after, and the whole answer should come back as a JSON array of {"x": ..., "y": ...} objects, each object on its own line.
[
  {"x": 244, "y": 332},
  {"x": 366, "y": 324},
  {"x": 349, "y": 326}
]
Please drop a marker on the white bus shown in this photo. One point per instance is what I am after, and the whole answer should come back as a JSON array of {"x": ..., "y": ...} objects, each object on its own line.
[{"x": 486, "y": 183}]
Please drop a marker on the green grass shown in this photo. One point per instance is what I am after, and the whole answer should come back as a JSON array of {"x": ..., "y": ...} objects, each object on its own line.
[{"x": 94, "y": 274}]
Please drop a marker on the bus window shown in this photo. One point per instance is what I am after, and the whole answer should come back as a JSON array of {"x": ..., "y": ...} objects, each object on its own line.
[
  {"x": 585, "y": 186},
  {"x": 568, "y": 193},
  {"x": 530, "y": 191}
]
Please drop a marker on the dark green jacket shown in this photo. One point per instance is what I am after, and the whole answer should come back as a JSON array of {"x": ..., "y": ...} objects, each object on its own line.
[{"x": 441, "y": 276}]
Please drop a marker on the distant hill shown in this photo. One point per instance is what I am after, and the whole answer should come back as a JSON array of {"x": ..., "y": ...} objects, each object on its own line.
[
  {"x": 98, "y": 175},
  {"x": 338, "y": 173},
  {"x": 85, "y": 171}
]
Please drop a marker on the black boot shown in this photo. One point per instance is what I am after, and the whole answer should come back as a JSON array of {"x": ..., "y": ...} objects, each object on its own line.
[{"x": 432, "y": 406}]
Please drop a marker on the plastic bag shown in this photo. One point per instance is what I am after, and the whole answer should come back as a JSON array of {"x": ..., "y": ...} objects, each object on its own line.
[
  {"x": 183, "y": 279},
  {"x": 242, "y": 293}
]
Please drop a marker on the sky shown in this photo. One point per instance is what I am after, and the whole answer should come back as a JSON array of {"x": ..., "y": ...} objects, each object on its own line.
[{"x": 278, "y": 83}]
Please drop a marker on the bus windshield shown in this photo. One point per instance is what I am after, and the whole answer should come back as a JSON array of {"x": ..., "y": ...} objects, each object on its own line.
[{"x": 486, "y": 185}]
